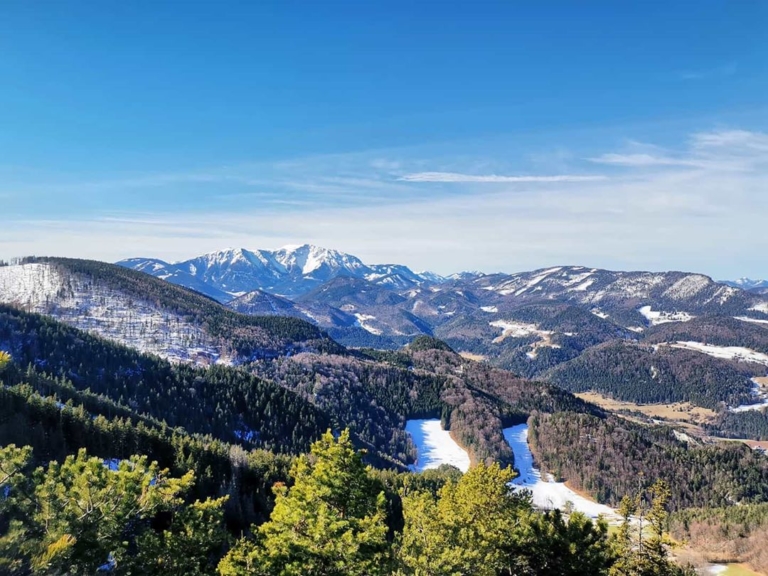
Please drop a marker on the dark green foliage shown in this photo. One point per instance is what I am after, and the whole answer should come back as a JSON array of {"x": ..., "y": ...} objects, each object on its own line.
[
  {"x": 750, "y": 424},
  {"x": 55, "y": 431},
  {"x": 611, "y": 457},
  {"x": 424, "y": 342},
  {"x": 355, "y": 337},
  {"x": 640, "y": 373},
  {"x": 227, "y": 403}
]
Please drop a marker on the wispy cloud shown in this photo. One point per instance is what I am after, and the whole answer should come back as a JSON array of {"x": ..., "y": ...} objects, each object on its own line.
[
  {"x": 698, "y": 205},
  {"x": 720, "y": 150},
  {"x": 723, "y": 71},
  {"x": 495, "y": 178},
  {"x": 642, "y": 160}
]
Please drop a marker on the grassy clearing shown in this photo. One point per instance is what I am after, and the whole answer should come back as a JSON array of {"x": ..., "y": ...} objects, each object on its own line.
[
  {"x": 475, "y": 357},
  {"x": 681, "y": 412}
]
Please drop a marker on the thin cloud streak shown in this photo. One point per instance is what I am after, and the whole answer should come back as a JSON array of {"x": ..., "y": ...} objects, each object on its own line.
[
  {"x": 641, "y": 160},
  {"x": 707, "y": 219},
  {"x": 494, "y": 178}
]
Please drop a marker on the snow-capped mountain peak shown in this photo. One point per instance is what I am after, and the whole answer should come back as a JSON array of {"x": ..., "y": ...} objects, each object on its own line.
[
  {"x": 309, "y": 258},
  {"x": 289, "y": 271},
  {"x": 747, "y": 283}
]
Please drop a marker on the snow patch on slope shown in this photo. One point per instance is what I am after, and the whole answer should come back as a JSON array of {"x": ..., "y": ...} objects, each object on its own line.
[
  {"x": 435, "y": 446},
  {"x": 547, "y": 494},
  {"x": 753, "y": 320},
  {"x": 656, "y": 317},
  {"x": 738, "y": 353},
  {"x": 761, "y": 396},
  {"x": 687, "y": 287},
  {"x": 516, "y": 329},
  {"x": 361, "y": 323},
  {"x": 44, "y": 289}
]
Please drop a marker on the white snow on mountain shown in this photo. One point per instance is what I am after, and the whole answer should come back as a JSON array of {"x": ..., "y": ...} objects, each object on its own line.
[
  {"x": 546, "y": 493},
  {"x": 431, "y": 276},
  {"x": 753, "y": 320},
  {"x": 656, "y": 317},
  {"x": 289, "y": 271},
  {"x": 75, "y": 300},
  {"x": 510, "y": 329},
  {"x": 746, "y": 283},
  {"x": 435, "y": 446},
  {"x": 307, "y": 259},
  {"x": 738, "y": 353},
  {"x": 363, "y": 322},
  {"x": 761, "y": 307}
]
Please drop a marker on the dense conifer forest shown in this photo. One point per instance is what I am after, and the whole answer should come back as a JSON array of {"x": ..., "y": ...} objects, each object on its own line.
[
  {"x": 334, "y": 517},
  {"x": 234, "y": 442},
  {"x": 612, "y": 457},
  {"x": 646, "y": 374}
]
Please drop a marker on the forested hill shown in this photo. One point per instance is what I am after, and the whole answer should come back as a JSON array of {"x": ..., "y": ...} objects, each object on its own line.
[
  {"x": 222, "y": 402},
  {"x": 151, "y": 314}
]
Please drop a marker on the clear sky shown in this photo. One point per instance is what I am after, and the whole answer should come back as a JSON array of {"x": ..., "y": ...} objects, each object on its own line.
[{"x": 442, "y": 135}]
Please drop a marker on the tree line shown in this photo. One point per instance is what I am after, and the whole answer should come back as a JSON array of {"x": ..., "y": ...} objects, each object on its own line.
[{"x": 85, "y": 515}]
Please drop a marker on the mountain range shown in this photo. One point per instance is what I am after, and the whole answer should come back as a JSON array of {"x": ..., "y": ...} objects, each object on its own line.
[
  {"x": 289, "y": 271},
  {"x": 759, "y": 286},
  {"x": 385, "y": 306},
  {"x": 619, "y": 375}
]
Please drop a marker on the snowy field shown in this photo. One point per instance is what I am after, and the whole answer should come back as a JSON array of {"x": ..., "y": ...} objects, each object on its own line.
[
  {"x": 760, "y": 395},
  {"x": 737, "y": 353},
  {"x": 435, "y": 446},
  {"x": 547, "y": 494},
  {"x": 362, "y": 320},
  {"x": 655, "y": 317}
]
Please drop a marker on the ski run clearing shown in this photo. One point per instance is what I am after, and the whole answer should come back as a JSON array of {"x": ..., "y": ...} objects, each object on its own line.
[
  {"x": 362, "y": 320},
  {"x": 547, "y": 494},
  {"x": 435, "y": 446}
]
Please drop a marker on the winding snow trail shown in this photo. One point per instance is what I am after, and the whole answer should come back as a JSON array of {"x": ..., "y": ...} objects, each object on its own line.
[
  {"x": 435, "y": 446},
  {"x": 547, "y": 494}
]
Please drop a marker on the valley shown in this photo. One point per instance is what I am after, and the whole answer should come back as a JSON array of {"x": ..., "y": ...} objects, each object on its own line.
[{"x": 599, "y": 378}]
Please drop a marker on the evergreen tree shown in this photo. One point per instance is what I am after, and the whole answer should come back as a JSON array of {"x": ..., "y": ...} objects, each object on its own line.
[
  {"x": 466, "y": 529},
  {"x": 84, "y": 515},
  {"x": 331, "y": 522},
  {"x": 637, "y": 555}
]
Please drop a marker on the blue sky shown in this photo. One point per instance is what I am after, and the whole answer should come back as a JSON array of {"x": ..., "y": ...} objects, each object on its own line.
[{"x": 443, "y": 135}]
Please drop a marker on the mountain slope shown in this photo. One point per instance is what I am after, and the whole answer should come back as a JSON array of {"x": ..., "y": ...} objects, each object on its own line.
[
  {"x": 289, "y": 271},
  {"x": 152, "y": 315},
  {"x": 221, "y": 401}
]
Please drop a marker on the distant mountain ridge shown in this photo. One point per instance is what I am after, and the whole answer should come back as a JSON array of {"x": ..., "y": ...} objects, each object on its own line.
[
  {"x": 362, "y": 303},
  {"x": 290, "y": 271},
  {"x": 760, "y": 286}
]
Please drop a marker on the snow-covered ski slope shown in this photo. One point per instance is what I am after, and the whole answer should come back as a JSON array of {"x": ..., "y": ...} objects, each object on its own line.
[
  {"x": 435, "y": 446},
  {"x": 547, "y": 494},
  {"x": 77, "y": 301}
]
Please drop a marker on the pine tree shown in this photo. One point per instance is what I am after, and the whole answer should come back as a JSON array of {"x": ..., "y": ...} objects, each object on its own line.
[
  {"x": 331, "y": 522},
  {"x": 464, "y": 530}
]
